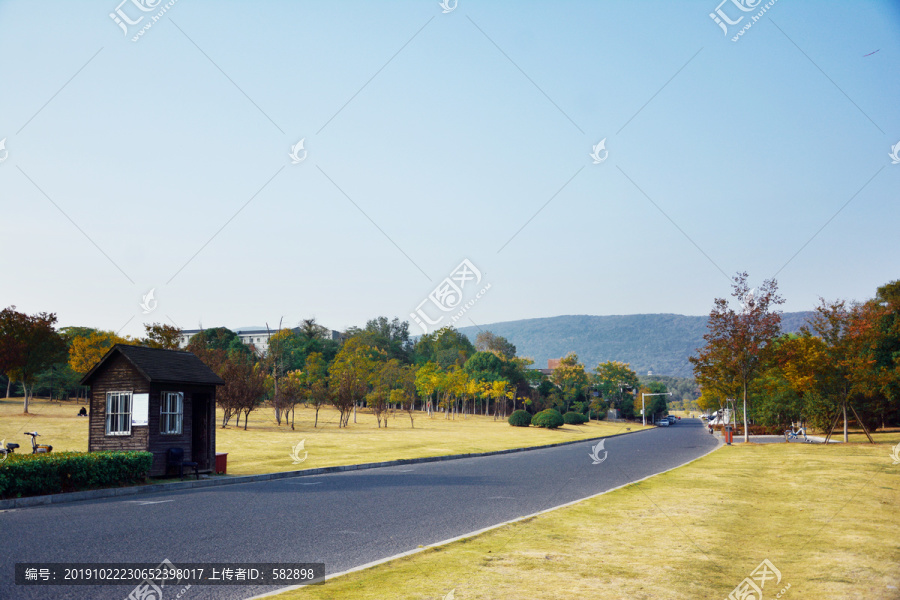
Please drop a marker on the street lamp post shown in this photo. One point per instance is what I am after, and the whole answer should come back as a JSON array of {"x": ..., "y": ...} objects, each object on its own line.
[{"x": 643, "y": 413}]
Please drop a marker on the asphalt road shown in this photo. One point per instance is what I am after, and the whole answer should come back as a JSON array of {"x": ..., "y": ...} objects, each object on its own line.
[{"x": 342, "y": 519}]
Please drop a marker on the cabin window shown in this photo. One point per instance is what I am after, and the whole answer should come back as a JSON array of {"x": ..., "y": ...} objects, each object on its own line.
[
  {"x": 171, "y": 413},
  {"x": 118, "y": 413}
]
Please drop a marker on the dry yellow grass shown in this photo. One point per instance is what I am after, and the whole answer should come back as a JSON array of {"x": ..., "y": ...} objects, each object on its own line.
[
  {"x": 265, "y": 447},
  {"x": 825, "y": 516}
]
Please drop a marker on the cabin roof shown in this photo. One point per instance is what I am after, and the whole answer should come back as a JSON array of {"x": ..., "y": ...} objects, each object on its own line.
[{"x": 157, "y": 365}]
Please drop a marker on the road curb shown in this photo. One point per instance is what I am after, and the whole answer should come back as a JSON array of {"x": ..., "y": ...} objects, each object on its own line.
[{"x": 63, "y": 498}]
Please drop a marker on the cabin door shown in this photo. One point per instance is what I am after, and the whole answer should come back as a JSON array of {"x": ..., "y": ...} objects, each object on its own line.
[{"x": 200, "y": 431}]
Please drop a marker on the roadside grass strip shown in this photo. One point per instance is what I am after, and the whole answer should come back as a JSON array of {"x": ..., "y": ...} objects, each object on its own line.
[
  {"x": 826, "y": 517},
  {"x": 266, "y": 447}
]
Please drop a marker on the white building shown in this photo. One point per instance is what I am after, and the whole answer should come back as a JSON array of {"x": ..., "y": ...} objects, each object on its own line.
[{"x": 259, "y": 338}]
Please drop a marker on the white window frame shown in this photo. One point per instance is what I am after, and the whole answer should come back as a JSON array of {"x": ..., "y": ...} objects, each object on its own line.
[
  {"x": 166, "y": 417},
  {"x": 123, "y": 417}
]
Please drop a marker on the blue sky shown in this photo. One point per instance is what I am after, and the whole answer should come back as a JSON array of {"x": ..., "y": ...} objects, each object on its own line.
[{"x": 435, "y": 137}]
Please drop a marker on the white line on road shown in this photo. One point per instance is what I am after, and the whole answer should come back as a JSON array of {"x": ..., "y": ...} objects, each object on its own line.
[
  {"x": 143, "y": 502},
  {"x": 302, "y": 483}
]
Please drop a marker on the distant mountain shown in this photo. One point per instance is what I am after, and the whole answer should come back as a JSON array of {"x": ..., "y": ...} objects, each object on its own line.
[{"x": 660, "y": 343}]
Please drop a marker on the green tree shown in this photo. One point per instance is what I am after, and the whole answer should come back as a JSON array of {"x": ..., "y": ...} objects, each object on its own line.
[
  {"x": 444, "y": 347},
  {"x": 614, "y": 379},
  {"x": 571, "y": 379},
  {"x": 486, "y": 341}
]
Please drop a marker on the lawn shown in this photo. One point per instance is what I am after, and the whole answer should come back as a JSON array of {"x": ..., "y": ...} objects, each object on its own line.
[
  {"x": 266, "y": 447},
  {"x": 826, "y": 518}
]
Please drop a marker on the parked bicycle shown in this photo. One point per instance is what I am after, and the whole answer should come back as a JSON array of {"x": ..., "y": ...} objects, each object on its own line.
[{"x": 36, "y": 448}]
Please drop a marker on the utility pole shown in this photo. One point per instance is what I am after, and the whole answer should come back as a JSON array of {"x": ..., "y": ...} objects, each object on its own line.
[{"x": 643, "y": 412}]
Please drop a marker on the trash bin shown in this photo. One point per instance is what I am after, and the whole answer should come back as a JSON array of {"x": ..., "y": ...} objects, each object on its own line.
[
  {"x": 221, "y": 462},
  {"x": 729, "y": 434}
]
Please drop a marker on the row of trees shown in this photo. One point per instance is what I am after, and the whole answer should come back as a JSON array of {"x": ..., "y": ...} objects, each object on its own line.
[
  {"x": 34, "y": 355},
  {"x": 844, "y": 363},
  {"x": 377, "y": 366}
]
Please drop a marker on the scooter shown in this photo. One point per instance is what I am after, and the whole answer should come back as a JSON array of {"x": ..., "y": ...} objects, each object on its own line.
[{"x": 38, "y": 448}]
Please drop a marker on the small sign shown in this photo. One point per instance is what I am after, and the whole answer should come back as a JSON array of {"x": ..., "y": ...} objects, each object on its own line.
[{"x": 140, "y": 409}]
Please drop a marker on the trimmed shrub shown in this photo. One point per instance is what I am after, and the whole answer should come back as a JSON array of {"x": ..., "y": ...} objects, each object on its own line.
[
  {"x": 38, "y": 474},
  {"x": 574, "y": 418},
  {"x": 550, "y": 419},
  {"x": 520, "y": 418}
]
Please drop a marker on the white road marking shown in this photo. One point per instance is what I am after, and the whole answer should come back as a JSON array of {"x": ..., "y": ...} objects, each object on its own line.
[
  {"x": 143, "y": 502},
  {"x": 302, "y": 483}
]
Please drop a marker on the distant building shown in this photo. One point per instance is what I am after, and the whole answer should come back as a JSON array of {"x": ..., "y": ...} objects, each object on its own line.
[
  {"x": 259, "y": 338},
  {"x": 552, "y": 365}
]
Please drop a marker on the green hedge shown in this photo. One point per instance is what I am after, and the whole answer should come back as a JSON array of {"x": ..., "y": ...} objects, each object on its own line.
[
  {"x": 520, "y": 418},
  {"x": 574, "y": 418},
  {"x": 38, "y": 474},
  {"x": 550, "y": 418}
]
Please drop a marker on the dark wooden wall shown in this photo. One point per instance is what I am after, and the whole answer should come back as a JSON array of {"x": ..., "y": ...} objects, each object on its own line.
[{"x": 118, "y": 376}]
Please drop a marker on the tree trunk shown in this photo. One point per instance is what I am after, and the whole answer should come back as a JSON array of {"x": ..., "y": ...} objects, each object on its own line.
[
  {"x": 8, "y": 384},
  {"x": 246, "y": 417},
  {"x": 25, "y": 388},
  {"x": 316, "y": 422},
  {"x": 746, "y": 428},
  {"x": 845, "y": 421}
]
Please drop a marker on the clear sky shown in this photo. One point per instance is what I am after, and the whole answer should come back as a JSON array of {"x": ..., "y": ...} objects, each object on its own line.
[{"x": 433, "y": 137}]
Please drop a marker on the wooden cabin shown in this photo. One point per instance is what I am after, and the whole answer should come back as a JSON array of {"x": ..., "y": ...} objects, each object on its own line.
[{"x": 151, "y": 400}]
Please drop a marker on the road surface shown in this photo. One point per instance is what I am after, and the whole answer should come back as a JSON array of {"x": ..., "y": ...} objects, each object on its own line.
[{"x": 341, "y": 519}]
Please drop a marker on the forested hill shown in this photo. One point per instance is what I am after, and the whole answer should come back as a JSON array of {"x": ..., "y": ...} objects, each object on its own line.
[{"x": 660, "y": 343}]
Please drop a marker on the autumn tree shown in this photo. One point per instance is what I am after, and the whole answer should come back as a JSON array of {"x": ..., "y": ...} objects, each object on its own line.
[
  {"x": 349, "y": 375},
  {"x": 245, "y": 386},
  {"x": 85, "y": 352},
  {"x": 160, "y": 335},
  {"x": 842, "y": 368},
  {"x": 738, "y": 343},
  {"x": 29, "y": 344}
]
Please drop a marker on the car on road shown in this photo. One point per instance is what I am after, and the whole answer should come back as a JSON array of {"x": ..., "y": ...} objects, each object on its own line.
[
  {"x": 662, "y": 423},
  {"x": 672, "y": 419}
]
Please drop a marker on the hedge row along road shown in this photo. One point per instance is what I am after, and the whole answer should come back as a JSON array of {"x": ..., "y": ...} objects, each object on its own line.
[{"x": 342, "y": 519}]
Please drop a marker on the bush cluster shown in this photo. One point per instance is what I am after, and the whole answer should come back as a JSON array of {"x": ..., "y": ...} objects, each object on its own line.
[
  {"x": 550, "y": 418},
  {"x": 574, "y": 418},
  {"x": 520, "y": 418},
  {"x": 38, "y": 474}
]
